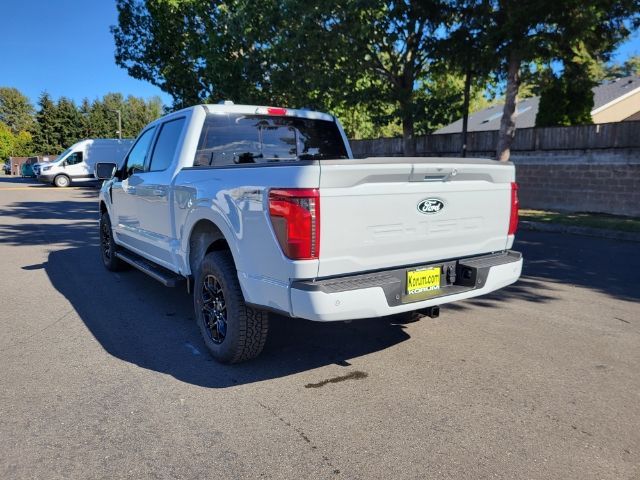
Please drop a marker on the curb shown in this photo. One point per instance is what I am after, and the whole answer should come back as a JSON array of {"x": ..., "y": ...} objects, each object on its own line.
[{"x": 574, "y": 230}]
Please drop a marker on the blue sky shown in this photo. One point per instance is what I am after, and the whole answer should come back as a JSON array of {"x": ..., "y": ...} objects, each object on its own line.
[{"x": 66, "y": 48}]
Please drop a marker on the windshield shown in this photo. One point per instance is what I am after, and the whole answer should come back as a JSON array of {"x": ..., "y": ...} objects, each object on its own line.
[
  {"x": 231, "y": 139},
  {"x": 64, "y": 154}
]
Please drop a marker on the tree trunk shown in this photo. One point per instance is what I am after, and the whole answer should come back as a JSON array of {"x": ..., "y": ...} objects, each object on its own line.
[
  {"x": 465, "y": 111},
  {"x": 408, "y": 137},
  {"x": 508, "y": 121}
]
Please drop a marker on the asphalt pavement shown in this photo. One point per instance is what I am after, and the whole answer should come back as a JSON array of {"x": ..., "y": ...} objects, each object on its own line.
[{"x": 104, "y": 375}]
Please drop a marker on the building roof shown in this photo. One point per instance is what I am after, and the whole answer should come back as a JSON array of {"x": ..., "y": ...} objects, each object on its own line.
[{"x": 489, "y": 119}]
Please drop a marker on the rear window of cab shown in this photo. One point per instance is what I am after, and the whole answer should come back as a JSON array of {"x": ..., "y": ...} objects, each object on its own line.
[{"x": 234, "y": 139}]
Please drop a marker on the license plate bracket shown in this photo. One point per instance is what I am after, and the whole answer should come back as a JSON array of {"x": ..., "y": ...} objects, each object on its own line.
[{"x": 421, "y": 281}]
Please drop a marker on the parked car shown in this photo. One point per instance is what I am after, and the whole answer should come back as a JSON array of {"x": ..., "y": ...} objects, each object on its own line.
[
  {"x": 6, "y": 167},
  {"x": 37, "y": 168},
  {"x": 76, "y": 164},
  {"x": 262, "y": 209},
  {"x": 26, "y": 170}
]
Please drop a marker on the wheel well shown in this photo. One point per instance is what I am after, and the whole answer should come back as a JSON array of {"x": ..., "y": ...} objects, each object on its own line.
[{"x": 205, "y": 237}]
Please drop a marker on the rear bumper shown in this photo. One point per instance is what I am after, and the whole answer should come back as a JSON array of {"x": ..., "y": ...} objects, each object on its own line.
[{"x": 383, "y": 293}]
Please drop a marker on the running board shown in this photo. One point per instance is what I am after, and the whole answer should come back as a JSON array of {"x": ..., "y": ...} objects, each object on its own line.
[{"x": 164, "y": 276}]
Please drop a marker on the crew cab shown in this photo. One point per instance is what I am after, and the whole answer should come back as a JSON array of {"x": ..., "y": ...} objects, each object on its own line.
[{"x": 264, "y": 209}]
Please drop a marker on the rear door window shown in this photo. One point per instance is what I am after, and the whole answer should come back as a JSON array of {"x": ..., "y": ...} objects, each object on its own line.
[
  {"x": 166, "y": 144},
  {"x": 234, "y": 139}
]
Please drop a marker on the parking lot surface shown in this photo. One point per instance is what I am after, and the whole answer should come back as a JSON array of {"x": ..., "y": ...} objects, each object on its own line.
[{"x": 104, "y": 375}]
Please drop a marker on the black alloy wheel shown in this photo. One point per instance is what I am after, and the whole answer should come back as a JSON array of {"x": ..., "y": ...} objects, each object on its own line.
[
  {"x": 214, "y": 309},
  {"x": 108, "y": 246},
  {"x": 105, "y": 240}
]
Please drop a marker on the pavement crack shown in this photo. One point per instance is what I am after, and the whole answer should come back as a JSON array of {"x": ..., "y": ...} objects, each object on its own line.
[
  {"x": 302, "y": 435},
  {"x": 23, "y": 340}
]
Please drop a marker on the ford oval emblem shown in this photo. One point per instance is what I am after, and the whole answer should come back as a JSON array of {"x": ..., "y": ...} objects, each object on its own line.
[{"x": 430, "y": 205}]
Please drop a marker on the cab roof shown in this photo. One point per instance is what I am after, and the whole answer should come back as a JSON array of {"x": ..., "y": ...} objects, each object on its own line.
[
  {"x": 229, "y": 107},
  {"x": 267, "y": 110}
]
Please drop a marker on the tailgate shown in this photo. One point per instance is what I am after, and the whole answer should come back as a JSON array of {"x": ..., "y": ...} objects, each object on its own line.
[{"x": 379, "y": 213}]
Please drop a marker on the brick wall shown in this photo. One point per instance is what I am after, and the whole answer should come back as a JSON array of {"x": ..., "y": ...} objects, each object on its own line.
[{"x": 603, "y": 181}]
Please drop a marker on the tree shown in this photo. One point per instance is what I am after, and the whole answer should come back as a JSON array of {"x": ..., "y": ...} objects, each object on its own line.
[
  {"x": 137, "y": 113},
  {"x": 379, "y": 57},
  {"x": 59, "y": 124},
  {"x": 585, "y": 36},
  {"x": 47, "y": 140},
  {"x": 443, "y": 97},
  {"x": 567, "y": 99},
  {"x": 301, "y": 52},
  {"x": 544, "y": 29},
  {"x": 6, "y": 141},
  {"x": 23, "y": 144},
  {"x": 391, "y": 43},
  {"x": 630, "y": 67},
  {"x": 85, "y": 122},
  {"x": 466, "y": 51},
  {"x": 16, "y": 110},
  {"x": 14, "y": 144},
  {"x": 214, "y": 59},
  {"x": 103, "y": 117},
  {"x": 68, "y": 124}
]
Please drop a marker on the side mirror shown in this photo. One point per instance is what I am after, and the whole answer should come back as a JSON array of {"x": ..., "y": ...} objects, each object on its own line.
[{"x": 105, "y": 171}]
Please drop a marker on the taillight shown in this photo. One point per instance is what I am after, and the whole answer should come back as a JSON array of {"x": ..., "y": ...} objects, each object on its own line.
[
  {"x": 279, "y": 111},
  {"x": 295, "y": 216},
  {"x": 276, "y": 111},
  {"x": 515, "y": 205}
]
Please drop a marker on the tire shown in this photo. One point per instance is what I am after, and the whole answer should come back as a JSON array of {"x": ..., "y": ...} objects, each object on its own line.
[
  {"x": 108, "y": 247},
  {"x": 232, "y": 331},
  {"x": 61, "y": 181}
]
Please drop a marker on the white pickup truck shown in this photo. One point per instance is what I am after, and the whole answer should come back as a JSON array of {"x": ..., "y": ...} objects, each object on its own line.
[{"x": 260, "y": 209}]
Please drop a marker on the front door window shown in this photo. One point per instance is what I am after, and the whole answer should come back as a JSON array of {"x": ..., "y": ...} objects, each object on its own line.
[
  {"x": 135, "y": 161},
  {"x": 74, "y": 158}
]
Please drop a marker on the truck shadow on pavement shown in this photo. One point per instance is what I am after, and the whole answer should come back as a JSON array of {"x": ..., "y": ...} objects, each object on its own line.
[
  {"x": 554, "y": 260},
  {"x": 139, "y": 321},
  {"x": 58, "y": 210}
]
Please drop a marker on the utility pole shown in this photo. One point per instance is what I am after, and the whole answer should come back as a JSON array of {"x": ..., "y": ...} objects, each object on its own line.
[
  {"x": 119, "y": 123},
  {"x": 465, "y": 110}
]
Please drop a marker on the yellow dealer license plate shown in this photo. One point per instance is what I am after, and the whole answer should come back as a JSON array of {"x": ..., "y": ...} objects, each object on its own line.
[{"x": 423, "y": 280}]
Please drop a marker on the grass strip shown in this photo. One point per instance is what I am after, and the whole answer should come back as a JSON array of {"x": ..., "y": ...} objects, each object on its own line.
[{"x": 592, "y": 220}]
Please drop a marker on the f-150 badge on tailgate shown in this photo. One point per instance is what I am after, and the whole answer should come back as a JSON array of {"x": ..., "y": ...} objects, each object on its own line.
[{"x": 430, "y": 205}]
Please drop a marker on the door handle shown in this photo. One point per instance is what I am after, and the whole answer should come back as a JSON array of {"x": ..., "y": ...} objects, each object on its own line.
[
  {"x": 157, "y": 192},
  {"x": 130, "y": 190}
]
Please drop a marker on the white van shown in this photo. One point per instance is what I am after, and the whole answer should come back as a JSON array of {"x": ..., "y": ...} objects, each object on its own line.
[{"x": 76, "y": 163}]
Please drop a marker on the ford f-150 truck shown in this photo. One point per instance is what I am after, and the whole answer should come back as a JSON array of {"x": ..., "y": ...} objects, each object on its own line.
[{"x": 264, "y": 209}]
